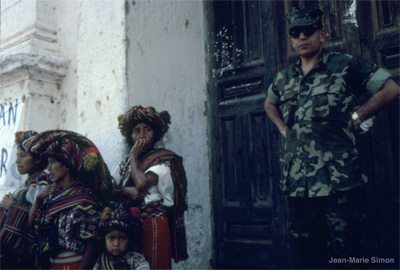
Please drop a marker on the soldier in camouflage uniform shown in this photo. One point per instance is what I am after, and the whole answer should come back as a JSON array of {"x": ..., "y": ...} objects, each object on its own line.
[{"x": 312, "y": 104}]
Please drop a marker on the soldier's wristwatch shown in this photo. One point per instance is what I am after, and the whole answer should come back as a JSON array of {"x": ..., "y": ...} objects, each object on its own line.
[{"x": 356, "y": 118}]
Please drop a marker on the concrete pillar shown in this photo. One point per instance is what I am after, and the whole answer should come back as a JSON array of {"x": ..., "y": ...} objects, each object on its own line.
[
  {"x": 30, "y": 68},
  {"x": 28, "y": 26},
  {"x": 36, "y": 80}
]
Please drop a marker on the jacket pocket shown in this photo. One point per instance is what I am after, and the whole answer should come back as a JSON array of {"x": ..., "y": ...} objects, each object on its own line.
[{"x": 330, "y": 103}]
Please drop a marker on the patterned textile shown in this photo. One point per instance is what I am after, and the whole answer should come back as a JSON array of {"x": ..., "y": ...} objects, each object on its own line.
[
  {"x": 131, "y": 260},
  {"x": 319, "y": 154},
  {"x": 176, "y": 215},
  {"x": 66, "y": 260},
  {"x": 3, "y": 215},
  {"x": 20, "y": 136},
  {"x": 158, "y": 121},
  {"x": 121, "y": 214},
  {"x": 122, "y": 178},
  {"x": 66, "y": 219},
  {"x": 152, "y": 210},
  {"x": 154, "y": 242},
  {"x": 15, "y": 235},
  {"x": 16, "y": 238},
  {"x": 39, "y": 179},
  {"x": 79, "y": 154}
]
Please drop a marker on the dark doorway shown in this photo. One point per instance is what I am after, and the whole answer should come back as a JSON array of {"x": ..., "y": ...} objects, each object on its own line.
[
  {"x": 247, "y": 45},
  {"x": 249, "y": 217}
]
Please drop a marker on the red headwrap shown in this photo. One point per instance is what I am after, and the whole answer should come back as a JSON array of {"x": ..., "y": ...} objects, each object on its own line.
[
  {"x": 21, "y": 136},
  {"x": 158, "y": 121},
  {"x": 76, "y": 152}
]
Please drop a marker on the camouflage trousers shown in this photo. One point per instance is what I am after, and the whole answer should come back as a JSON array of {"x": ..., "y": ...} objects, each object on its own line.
[{"x": 325, "y": 229}]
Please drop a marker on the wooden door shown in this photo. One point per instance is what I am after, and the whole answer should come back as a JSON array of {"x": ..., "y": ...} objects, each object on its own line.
[
  {"x": 247, "y": 45},
  {"x": 248, "y": 212},
  {"x": 379, "y": 29}
]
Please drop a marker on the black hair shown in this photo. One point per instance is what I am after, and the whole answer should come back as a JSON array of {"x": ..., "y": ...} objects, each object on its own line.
[
  {"x": 72, "y": 171},
  {"x": 43, "y": 163},
  {"x": 106, "y": 230}
]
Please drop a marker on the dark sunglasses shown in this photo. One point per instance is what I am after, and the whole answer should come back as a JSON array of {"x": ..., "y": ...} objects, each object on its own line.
[{"x": 307, "y": 31}]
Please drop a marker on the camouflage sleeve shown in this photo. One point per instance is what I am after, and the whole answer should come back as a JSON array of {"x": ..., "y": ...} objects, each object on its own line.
[
  {"x": 273, "y": 94},
  {"x": 365, "y": 75},
  {"x": 377, "y": 80}
]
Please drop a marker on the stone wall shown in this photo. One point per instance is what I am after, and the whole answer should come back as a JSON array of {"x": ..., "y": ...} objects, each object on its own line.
[{"x": 166, "y": 69}]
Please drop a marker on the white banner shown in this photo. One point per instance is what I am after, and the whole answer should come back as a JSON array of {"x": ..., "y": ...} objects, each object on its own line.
[{"x": 10, "y": 120}]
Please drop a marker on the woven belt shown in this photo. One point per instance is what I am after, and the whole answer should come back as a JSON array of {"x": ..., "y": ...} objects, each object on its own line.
[
  {"x": 152, "y": 210},
  {"x": 66, "y": 257}
]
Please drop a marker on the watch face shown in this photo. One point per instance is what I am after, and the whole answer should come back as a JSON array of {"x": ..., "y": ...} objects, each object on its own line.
[{"x": 354, "y": 116}]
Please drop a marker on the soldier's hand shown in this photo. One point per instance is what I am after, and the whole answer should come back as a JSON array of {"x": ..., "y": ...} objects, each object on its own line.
[{"x": 356, "y": 126}]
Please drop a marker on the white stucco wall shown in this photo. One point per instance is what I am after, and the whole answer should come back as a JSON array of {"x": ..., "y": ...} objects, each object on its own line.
[
  {"x": 101, "y": 71},
  {"x": 67, "y": 18},
  {"x": 166, "y": 69},
  {"x": 90, "y": 35}
]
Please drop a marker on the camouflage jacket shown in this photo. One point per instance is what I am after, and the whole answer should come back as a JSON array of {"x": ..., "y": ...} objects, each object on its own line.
[{"x": 319, "y": 154}]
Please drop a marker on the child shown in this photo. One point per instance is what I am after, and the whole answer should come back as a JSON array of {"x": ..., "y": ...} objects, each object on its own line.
[{"x": 119, "y": 226}]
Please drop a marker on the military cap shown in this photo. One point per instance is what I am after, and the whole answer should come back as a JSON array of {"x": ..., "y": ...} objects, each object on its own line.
[{"x": 303, "y": 16}]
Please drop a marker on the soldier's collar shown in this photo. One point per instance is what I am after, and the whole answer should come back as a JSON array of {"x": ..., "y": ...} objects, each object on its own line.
[{"x": 323, "y": 58}]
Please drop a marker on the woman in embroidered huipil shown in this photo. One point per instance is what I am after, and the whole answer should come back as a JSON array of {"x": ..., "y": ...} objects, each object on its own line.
[
  {"x": 156, "y": 179},
  {"x": 65, "y": 215},
  {"x": 15, "y": 235}
]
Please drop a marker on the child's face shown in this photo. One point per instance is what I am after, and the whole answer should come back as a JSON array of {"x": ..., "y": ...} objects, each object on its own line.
[{"x": 117, "y": 243}]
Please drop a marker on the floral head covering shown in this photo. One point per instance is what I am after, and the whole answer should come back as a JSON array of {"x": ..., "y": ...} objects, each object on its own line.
[
  {"x": 122, "y": 215},
  {"x": 21, "y": 136},
  {"x": 75, "y": 151},
  {"x": 158, "y": 121}
]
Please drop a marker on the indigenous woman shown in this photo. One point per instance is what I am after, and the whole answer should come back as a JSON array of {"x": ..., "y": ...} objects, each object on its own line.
[
  {"x": 155, "y": 177},
  {"x": 65, "y": 215},
  {"x": 16, "y": 237}
]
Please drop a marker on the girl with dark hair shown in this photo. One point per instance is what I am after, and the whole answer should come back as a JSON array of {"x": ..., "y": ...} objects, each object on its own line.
[
  {"x": 156, "y": 180},
  {"x": 119, "y": 226},
  {"x": 16, "y": 238}
]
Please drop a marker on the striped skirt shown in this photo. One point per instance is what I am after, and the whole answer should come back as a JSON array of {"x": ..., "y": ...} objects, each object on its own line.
[
  {"x": 66, "y": 260},
  {"x": 15, "y": 235},
  {"x": 155, "y": 239},
  {"x": 3, "y": 214}
]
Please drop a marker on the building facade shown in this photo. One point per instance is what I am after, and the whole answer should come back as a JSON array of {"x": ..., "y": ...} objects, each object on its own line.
[{"x": 78, "y": 64}]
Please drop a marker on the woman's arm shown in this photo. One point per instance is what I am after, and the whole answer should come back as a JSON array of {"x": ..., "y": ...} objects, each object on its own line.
[
  {"x": 142, "y": 180},
  {"x": 134, "y": 193}
]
